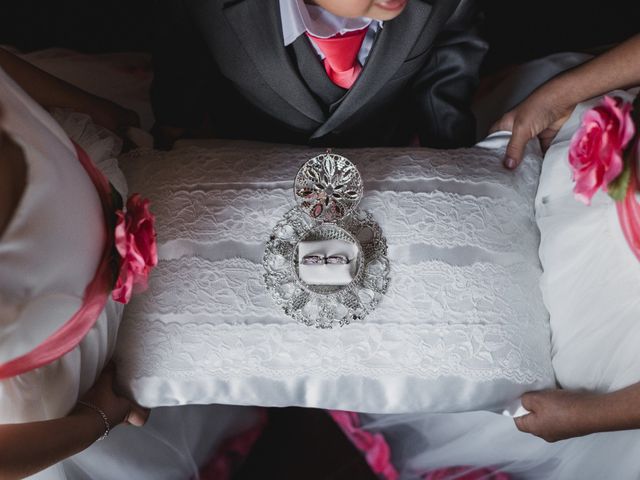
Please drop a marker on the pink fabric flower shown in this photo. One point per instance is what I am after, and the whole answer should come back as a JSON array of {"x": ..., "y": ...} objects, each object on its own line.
[
  {"x": 465, "y": 473},
  {"x": 596, "y": 150},
  {"x": 373, "y": 445},
  {"x": 135, "y": 240}
]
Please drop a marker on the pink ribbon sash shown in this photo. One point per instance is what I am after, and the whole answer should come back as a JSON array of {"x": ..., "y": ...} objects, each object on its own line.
[
  {"x": 629, "y": 215},
  {"x": 69, "y": 335}
]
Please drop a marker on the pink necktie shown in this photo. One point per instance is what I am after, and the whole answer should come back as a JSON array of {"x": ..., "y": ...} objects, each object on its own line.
[{"x": 341, "y": 56}]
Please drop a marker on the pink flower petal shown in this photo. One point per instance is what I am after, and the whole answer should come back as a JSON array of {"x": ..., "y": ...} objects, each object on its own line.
[
  {"x": 596, "y": 149},
  {"x": 135, "y": 241}
]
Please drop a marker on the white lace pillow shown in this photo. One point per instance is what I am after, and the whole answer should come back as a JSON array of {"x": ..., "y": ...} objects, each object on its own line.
[
  {"x": 462, "y": 327},
  {"x": 591, "y": 277}
]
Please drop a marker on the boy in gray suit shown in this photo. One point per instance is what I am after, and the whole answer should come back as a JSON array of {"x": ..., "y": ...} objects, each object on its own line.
[{"x": 323, "y": 72}]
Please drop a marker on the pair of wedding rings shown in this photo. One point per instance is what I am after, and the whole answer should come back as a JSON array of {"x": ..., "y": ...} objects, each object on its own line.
[{"x": 320, "y": 260}]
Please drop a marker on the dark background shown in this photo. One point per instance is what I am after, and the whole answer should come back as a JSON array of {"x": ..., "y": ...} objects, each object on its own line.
[{"x": 517, "y": 30}]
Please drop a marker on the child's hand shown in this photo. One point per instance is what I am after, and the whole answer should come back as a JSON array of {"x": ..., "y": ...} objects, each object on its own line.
[
  {"x": 117, "y": 408},
  {"x": 540, "y": 115},
  {"x": 559, "y": 414}
]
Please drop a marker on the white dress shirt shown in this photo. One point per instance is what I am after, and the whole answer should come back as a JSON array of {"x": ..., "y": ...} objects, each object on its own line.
[{"x": 298, "y": 18}]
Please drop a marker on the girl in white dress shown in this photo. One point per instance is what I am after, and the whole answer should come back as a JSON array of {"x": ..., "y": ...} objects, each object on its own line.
[
  {"x": 613, "y": 400},
  {"x": 51, "y": 212},
  {"x": 56, "y": 397},
  {"x": 588, "y": 428}
]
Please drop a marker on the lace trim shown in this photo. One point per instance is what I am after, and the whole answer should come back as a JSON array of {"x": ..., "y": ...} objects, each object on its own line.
[
  {"x": 479, "y": 293},
  {"x": 226, "y": 352},
  {"x": 482, "y": 321},
  {"x": 435, "y": 218},
  {"x": 446, "y": 219},
  {"x": 236, "y": 163}
]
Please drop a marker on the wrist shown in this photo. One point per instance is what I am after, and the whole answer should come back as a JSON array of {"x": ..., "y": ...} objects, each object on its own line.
[
  {"x": 115, "y": 408},
  {"x": 621, "y": 409},
  {"x": 91, "y": 421},
  {"x": 558, "y": 95},
  {"x": 602, "y": 412}
]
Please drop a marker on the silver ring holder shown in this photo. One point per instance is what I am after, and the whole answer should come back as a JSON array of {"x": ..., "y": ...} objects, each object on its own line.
[{"x": 327, "y": 189}]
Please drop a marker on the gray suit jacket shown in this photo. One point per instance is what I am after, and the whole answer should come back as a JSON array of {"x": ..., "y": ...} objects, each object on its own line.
[{"x": 226, "y": 58}]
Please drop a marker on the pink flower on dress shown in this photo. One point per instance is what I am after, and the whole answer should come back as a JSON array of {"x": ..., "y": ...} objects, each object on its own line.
[
  {"x": 135, "y": 240},
  {"x": 596, "y": 150}
]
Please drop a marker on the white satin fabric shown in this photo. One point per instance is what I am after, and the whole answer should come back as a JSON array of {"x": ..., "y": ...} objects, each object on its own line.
[
  {"x": 47, "y": 256},
  {"x": 462, "y": 326},
  {"x": 590, "y": 287}
]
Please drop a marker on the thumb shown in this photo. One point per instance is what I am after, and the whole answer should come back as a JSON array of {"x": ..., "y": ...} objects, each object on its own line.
[
  {"x": 523, "y": 423},
  {"x": 137, "y": 416},
  {"x": 515, "y": 148}
]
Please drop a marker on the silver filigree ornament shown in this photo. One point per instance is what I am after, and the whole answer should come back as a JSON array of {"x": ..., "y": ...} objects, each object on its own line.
[
  {"x": 333, "y": 182},
  {"x": 328, "y": 187}
]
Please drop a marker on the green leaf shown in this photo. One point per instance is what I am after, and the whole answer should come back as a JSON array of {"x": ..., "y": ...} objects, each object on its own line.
[{"x": 618, "y": 188}]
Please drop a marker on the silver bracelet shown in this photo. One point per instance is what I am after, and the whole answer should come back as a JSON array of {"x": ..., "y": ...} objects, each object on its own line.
[{"x": 105, "y": 419}]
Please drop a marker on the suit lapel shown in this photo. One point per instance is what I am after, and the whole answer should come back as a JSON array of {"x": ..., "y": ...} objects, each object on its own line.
[
  {"x": 314, "y": 74},
  {"x": 394, "y": 42},
  {"x": 258, "y": 26}
]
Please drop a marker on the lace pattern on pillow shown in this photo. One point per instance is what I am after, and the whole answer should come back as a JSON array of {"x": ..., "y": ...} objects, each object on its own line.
[
  {"x": 274, "y": 351},
  {"x": 272, "y": 166},
  {"x": 247, "y": 216},
  {"x": 436, "y": 319}
]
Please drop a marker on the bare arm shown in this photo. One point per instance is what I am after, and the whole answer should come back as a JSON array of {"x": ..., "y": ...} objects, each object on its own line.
[
  {"x": 617, "y": 68},
  {"x": 27, "y": 448},
  {"x": 30, "y": 447},
  {"x": 548, "y": 107},
  {"x": 50, "y": 91},
  {"x": 560, "y": 414}
]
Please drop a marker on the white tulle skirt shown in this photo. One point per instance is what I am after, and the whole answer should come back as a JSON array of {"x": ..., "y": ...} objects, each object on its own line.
[{"x": 422, "y": 443}]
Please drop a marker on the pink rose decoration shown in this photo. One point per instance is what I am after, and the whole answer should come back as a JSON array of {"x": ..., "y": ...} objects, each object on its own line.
[
  {"x": 135, "y": 240},
  {"x": 596, "y": 150}
]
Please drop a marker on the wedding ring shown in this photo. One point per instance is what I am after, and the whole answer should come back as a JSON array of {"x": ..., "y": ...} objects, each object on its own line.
[
  {"x": 320, "y": 260},
  {"x": 313, "y": 260},
  {"x": 336, "y": 260}
]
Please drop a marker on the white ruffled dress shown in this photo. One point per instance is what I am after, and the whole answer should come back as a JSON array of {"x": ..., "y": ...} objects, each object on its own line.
[{"x": 48, "y": 254}]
